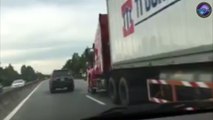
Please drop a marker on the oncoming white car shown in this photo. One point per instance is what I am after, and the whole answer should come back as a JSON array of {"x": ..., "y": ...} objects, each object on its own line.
[{"x": 18, "y": 83}]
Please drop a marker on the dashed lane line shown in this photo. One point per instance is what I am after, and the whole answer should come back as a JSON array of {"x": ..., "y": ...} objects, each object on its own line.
[{"x": 98, "y": 101}]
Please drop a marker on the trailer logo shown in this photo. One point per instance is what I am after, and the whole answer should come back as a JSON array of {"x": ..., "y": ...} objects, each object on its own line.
[
  {"x": 204, "y": 9},
  {"x": 145, "y": 9},
  {"x": 128, "y": 23}
]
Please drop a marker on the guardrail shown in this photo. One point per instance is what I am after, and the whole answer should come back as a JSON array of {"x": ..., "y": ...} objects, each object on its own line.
[
  {"x": 12, "y": 97},
  {"x": 6, "y": 89},
  {"x": 9, "y": 88}
]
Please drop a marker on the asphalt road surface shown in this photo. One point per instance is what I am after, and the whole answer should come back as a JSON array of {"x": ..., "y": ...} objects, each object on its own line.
[{"x": 41, "y": 105}]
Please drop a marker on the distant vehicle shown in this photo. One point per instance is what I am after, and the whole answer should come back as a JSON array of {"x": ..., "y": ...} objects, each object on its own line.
[
  {"x": 1, "y": 88},
  {"x": 18, "y": 83},
  {"x": 84, "y": 75},
  {"x": 61, "y": 79}
]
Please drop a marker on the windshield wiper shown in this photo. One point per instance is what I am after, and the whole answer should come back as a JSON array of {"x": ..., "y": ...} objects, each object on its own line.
[
  {"x": 112, "y": 110},
  {"x": 118, "y": 112}
]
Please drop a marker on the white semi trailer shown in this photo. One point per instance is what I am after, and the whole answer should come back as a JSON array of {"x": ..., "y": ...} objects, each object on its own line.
[{"x": 161, "y": 51}]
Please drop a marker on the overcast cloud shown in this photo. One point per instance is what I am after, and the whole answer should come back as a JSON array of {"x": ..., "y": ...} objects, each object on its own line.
[{"x": 45, "y": 33}]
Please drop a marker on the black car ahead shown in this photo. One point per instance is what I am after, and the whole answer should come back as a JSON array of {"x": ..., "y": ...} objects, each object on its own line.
[{"x": 61, "y": 79}]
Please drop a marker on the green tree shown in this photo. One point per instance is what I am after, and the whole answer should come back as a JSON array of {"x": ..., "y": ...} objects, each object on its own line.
[
  {"x": 23, "y": 72},
  {"x": 31, "y": 73},
  {"x": 9, "y": 75},
  {"x": 40, "y": 76},
  {"x": 78, "y": 64},
  {"x": 73, "y": 64},
  {"x": 89, "y": 56},
  {"x": 28, "y": 73}
]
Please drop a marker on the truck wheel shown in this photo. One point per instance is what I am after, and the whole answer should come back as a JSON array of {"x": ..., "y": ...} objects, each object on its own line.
[
  {"x": 124, "y": 92},
  {"x": 130, "y": 93},
  {"x": 92, "y": 90},
  {"x": 113, "y": 91}
]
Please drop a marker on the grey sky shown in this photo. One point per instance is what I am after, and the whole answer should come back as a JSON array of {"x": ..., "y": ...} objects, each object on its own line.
[
  {"x": 45, "y": 33},
  {"x": 12, "y": 3}
]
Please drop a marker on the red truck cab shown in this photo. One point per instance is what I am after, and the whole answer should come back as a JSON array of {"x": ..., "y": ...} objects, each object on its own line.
[{"x": 102, "y": 63}]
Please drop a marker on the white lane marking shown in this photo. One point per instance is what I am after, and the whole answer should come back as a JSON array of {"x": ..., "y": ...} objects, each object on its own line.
[
  {"x": 98, "y": 101},
  {"x": 15, "y": 110}
]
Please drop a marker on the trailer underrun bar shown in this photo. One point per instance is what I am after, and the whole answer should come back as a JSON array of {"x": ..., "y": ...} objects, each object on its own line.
[{"x": 158, "y": 89}]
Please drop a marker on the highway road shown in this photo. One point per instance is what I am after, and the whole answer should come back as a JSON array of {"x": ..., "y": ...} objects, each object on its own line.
[{"x": 41, "y": 105}]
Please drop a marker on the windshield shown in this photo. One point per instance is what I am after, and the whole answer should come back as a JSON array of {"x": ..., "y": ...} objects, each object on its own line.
[{"x": 75, "y": 59}]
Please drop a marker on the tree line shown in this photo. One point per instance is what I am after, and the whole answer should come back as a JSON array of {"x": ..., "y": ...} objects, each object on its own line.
[
  {"x": 8, "y": 74},
  {"x": 78, "y": 63}
]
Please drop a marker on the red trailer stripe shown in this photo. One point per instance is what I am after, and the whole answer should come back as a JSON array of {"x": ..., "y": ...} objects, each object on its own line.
[{"x": 194, "y": 84}]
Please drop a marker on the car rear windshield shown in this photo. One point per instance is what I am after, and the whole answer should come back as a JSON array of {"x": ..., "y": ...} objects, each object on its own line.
[{"x": 61, "y": 73}]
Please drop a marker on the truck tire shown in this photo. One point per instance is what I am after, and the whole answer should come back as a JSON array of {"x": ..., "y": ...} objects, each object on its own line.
[
  {"x": 92, "y": 90},
  {"x": 113, "y": 91},
  {"x": 130, "y": 93}
]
